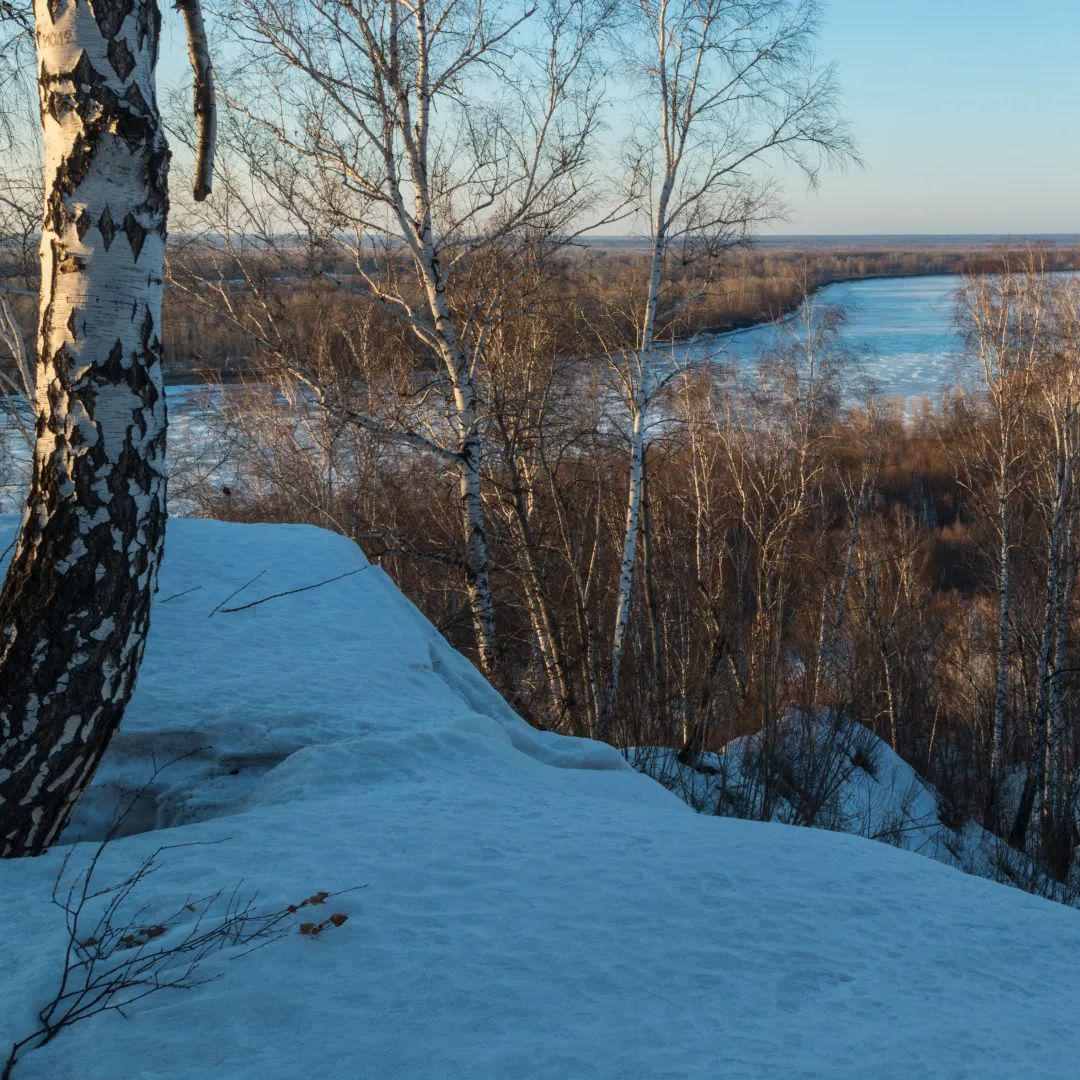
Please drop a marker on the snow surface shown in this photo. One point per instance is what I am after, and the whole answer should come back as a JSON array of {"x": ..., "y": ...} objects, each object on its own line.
[{"x": 533, "y": 906}]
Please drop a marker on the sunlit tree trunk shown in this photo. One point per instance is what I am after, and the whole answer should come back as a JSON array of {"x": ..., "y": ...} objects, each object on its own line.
[
  {"x": 1054, "y": 643},
  {"x": 1001, "y": 669},
  {"x": 628, "y": 561},
  {"x": 75, "y": 606},
  {"x": 545, "y": 627},
  {"x": 1058, "y": 713},
  {"x": 1047, "y": 663}
]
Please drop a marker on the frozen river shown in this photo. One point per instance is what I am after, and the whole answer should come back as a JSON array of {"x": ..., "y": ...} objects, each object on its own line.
[{"x": 900, "y": 331}]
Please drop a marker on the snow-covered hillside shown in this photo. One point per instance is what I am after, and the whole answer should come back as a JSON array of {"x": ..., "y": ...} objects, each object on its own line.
[
  {"x": 533, "y": 907},
  {"x": 836, "y": 774}
]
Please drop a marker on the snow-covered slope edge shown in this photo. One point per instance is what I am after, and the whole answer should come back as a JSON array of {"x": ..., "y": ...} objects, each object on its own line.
[
  {"x": 836, "y": 774},
  {"x": 231, "y": 695},
  {"x": 521, "y": 918}
]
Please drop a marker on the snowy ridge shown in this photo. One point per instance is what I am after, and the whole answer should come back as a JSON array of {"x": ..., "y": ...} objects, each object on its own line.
[
  {"x": 236, "y": 695},
  {"x": 534, "y": 907}
]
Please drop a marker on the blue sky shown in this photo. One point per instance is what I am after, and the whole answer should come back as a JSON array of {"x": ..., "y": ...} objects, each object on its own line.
[{"x": 967, "y": 113}]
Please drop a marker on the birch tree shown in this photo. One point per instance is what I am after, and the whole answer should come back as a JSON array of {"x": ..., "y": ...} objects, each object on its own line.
[
  {"x": 1057, "y": 407},
  {"x": 437, "y": 130},
  {"x": 1003, "y": 317},
  {"x": 727, "y": 87},
  {"x": 640, "y": 386},
  {"x": 75, "y": 605}
]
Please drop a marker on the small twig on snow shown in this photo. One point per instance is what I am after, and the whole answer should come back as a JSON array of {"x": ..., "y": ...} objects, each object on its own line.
[{"x": 290, "y": 592}]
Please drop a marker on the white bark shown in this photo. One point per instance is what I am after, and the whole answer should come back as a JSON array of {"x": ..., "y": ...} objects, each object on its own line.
[
  {"x": 75, "y": 608},
  {"x": 1053, "y": 732},
  {"x": 375, "y": 139},
  {"x": 1004, "y": 618},
  {"x": 205, "y": 103},
  {"x": 628, "y": 562},
  {"x": 1058, "y": 729},
  {"x": 544, "y": 624},
  {"x": 713, "y": 71}
]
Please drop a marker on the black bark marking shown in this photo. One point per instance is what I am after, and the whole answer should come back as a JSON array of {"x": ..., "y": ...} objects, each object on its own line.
[
  {"x": 113, "y": 368},
  {"x": 121, "y": 58},
  {"x": 58, "y": 105},
  {"x": 134, "y": 97},
  {"x": 110, "y": 15},
  {"x": 83, "y": 223},
  {"x": 106, "y": 227},
  {"x": 146, "y": 331},
  {"x": 136, "y": 234},
  {"x": 148, "y": 25},
  {"x": 84, "y": 74}
]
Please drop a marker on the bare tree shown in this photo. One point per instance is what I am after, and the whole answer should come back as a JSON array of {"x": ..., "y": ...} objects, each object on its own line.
[
  {"x": 1003, "y": 316},
  {"x": 727, "y": 86},
  {"x": 363, "y": 128},
  {"x": 641, "y": 383},
  {"x": 117, "y": 952},
  {"x": 1057, "y": 406}
]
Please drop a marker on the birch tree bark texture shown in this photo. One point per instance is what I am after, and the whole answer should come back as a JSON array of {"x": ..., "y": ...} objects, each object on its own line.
[{"x": 75, "y": 606}]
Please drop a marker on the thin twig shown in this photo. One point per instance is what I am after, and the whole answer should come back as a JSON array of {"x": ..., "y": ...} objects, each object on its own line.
[
  {"x": 235, "y": 592},
  {"x": 177, "y": 595},
  {"x": 290, "y": 592}
]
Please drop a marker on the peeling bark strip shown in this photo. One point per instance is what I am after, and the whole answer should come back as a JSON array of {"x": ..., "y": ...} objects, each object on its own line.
[{"x": 75, "y": 607}]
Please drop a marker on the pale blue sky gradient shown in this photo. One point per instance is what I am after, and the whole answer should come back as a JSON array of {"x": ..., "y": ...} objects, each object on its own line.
[{"x": 967, "y": 113}]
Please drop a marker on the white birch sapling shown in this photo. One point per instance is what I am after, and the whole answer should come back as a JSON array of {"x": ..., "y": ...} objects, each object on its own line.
[{"x": 727, "y": 85}]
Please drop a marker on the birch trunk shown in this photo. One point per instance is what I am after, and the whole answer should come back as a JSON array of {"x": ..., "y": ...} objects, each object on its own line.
[
  {"x": 477, "y": 559},
  {"x": 75, "y": 607},
  {"x": 1059, "y": 728},
  {"x": 548, "y": 638},
  {"x": 459, "y": 368},
  {"x": 1054, "y": 637},
  {"x": 626, "y": 566},
  {"x": 638, "y": 400},
  {"x": 1046, "y": 662},
  {"x": 1001, "y": 673}
]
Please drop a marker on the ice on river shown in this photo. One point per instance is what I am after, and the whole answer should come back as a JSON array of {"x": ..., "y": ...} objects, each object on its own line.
[{"x": 900, "y": 332}]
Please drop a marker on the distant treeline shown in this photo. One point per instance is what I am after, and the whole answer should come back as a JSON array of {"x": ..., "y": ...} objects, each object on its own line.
[{"x": 748, "y": 286}]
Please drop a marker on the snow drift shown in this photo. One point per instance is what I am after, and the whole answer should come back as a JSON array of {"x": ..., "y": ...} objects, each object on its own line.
[{"x": 534, "y": 907}]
